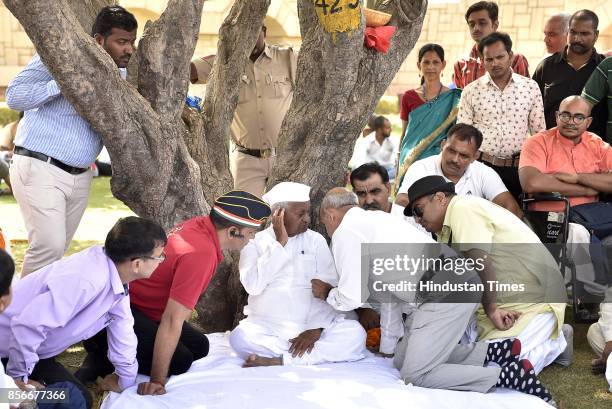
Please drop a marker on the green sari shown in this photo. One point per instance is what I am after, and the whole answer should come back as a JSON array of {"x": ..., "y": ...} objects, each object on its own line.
[{"x": 427, "y": 127}]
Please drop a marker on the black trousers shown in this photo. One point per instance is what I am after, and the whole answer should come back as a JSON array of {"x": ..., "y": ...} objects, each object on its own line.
[
  {"x": 509, "y": 175},
  {"x": 192, "y": 346},
  {"x": 48, "y": 372}
]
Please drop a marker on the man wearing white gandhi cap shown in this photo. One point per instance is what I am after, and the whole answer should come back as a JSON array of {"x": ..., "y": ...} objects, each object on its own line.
[{"x": 285, "y": 324}]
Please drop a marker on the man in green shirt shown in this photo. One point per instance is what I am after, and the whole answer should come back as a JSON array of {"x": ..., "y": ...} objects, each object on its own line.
[{"x": 598, "y": 87}]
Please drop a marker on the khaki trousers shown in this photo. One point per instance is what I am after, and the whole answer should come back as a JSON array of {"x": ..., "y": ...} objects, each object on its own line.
[
  {"x": 52, "y": 203},
  {"x": 250, "y": 173}
]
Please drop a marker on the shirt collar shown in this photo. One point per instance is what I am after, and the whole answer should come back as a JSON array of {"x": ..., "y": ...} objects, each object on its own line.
[
  {"x": 562, "y": 56},
  {"x": 208, "y": 225},
  {"x": 474, "y": 52},
  {"x": 560, "y": 139},
  {"x": 446, "y": 233},
  {"x": 514, "y": 78},
  {"x": 267, "y": 51},
  {"x": 118, "y": 287}
]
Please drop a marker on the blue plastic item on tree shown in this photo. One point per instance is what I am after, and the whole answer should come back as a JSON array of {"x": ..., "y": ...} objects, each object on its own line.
[{"x": 194, "y": 102}]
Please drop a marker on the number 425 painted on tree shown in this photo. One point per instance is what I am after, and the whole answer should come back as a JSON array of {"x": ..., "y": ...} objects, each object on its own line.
[{"x": 333, "y": 9}]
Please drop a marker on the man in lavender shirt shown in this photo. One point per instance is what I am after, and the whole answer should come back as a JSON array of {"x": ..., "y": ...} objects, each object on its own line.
[{"x": 73, "y": 299}]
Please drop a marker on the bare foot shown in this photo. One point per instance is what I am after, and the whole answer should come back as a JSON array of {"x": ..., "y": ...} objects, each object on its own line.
[
  {"x": 598, "y": 366},
  {"x": 256, "y": 360}
]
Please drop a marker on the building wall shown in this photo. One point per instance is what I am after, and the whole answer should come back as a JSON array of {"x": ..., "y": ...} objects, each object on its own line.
[{"x": 444, "y": 24}]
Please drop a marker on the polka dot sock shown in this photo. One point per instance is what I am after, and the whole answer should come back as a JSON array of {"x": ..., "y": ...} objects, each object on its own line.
[
  {"x": 521, "y": 377},
  {"x": 504, "y": 352}
]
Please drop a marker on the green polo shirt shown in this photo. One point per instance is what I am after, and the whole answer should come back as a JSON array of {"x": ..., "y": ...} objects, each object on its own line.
[
  {"x": 517, "y": 256},
  {"x": 598, "y": 88}
]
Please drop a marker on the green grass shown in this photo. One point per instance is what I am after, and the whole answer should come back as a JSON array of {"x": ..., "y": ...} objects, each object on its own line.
[{"x": 100, "y": 196}]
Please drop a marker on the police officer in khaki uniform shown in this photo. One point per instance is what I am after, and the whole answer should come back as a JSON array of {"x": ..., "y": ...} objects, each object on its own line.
[{"x": 265, "y": 95}]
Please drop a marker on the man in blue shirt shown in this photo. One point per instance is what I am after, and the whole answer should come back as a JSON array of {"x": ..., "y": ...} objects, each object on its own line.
[{"x": 55, "y": 146}]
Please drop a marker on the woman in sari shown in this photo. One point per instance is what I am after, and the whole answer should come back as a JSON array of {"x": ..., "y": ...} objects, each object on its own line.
[{"x": 427, "y": 112}]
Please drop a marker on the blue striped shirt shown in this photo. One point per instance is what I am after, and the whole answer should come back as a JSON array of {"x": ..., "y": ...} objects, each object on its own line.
[{"x": 50, "y": 124}]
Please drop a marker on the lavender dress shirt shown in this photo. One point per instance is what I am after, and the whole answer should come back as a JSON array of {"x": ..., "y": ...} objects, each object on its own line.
[{"x": 64, "y": 303}]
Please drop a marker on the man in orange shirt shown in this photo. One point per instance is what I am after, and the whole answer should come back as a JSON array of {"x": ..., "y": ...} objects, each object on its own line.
[
  {"x": 567, "y": 159},
  {"x": 577, "y": 164}
]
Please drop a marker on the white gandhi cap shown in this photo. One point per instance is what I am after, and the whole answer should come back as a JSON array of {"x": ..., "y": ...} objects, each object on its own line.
[{"x": 287, "y": 192}]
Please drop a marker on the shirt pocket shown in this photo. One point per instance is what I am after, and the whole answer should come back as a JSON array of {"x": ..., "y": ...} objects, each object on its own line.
[
  {"x": 305, "y": 270},
  {"x": 277, "y": 86}
]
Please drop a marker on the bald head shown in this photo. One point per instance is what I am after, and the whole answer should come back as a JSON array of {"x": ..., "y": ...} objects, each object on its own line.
[
  {"x": 574, "y": 102},
  {"x": 337, "y": 198},
  {"x": 334, "y": 206},
  {"x": 555, "y": 32}
]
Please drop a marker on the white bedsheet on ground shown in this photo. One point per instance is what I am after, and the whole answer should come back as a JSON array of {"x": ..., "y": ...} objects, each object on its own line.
[{"x": 219, "y": 382}]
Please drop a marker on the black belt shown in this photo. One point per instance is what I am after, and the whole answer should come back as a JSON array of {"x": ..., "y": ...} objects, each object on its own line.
[
  {"x": 41, "y": 156},
  {"x": 258, "y": 153}
]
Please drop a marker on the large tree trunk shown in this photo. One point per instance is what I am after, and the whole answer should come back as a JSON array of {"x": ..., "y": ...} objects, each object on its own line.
[{"x": 169, "y": 162}]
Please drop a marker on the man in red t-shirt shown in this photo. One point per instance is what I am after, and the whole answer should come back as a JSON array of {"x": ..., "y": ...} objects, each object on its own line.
[{"x": 162, "y": 305}]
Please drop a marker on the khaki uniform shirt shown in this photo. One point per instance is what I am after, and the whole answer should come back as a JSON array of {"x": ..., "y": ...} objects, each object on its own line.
[{"x": 265, "y": 95}]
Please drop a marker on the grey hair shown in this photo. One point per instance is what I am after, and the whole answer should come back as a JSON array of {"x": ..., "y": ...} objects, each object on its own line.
[
  {"x": 337, "y": 198},
  {"x": 279, "y": 205},
  {"x": 564, "y": 19}
]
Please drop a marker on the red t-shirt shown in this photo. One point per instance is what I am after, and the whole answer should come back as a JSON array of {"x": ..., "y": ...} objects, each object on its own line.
[
  {"x": 192, "y": 255},
  {"x": 410, "y": 102}
]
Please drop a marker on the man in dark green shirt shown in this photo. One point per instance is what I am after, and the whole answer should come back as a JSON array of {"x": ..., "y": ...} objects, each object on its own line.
[{"x": 599, "y": 88}]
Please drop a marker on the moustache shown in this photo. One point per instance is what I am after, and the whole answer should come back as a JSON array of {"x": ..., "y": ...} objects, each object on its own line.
[{"x": 371, "y": 206}]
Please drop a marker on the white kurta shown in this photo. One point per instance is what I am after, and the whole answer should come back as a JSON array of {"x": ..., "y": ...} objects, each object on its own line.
[
  {"x": 364, "y": 227},
  {"x": 281, "y": 305}
]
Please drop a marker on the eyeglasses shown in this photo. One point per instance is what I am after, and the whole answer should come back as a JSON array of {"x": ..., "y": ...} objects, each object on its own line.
[
  {"x": 417, "y": 210},
  {"x": 567, "y": 116},
  {"x": 159, "y": 258}
]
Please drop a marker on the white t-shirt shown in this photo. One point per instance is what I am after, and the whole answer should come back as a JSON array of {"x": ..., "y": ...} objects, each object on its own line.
[
  {"x": 367, "y": 149},
  {"x": 478, "y": 180}
]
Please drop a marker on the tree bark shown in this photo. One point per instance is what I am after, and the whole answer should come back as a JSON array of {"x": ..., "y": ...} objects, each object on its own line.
[
  {"x": 169, "y": 161},
  {"x": 320, "y": 128}
]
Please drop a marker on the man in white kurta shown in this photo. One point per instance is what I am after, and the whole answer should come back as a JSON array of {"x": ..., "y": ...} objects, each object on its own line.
[{"x": 285, "y": 324}]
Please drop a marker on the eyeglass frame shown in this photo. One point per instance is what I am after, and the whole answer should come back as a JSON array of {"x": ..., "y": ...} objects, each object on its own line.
[
  {"x": 418, "y": 211},
  {"x": 571, "y": 117},
  {"x": 160, "y": 258}
]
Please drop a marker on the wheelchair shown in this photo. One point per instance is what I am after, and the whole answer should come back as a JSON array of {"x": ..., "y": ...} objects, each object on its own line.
[{"x": 552, "y": 227}]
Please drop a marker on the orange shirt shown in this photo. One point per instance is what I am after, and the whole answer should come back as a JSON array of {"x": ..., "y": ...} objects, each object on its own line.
[{"x": 550, "y": 152}]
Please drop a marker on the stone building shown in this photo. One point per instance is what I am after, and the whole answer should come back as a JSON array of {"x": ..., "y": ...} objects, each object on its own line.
[{"x": 444, "y": 24}]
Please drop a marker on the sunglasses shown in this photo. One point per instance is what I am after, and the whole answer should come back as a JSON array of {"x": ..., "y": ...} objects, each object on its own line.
[{"x": 417, "y": 210}]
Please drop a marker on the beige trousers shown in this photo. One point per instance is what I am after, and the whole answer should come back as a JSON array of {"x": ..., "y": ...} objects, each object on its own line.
[
  {"x": 52, "y": 203},
  {"x": 250, "y": 173}
]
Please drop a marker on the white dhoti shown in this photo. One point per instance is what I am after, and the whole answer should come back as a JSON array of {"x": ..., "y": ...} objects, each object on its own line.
[
  {"x": 343, "y": 340},
  {"x": 536, "y": 343}
]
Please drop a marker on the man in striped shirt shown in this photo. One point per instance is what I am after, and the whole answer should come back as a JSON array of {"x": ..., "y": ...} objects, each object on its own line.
[
  {"x": 482, "y": 20},
  {"x": 55, "y": 146}
]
